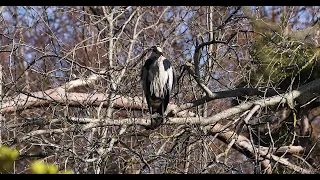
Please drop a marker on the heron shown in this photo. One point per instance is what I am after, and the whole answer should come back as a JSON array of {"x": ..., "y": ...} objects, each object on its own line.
[{"x": 158, "y": 78}]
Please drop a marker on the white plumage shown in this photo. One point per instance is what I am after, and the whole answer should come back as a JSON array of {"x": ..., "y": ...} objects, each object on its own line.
[{"x": 161, "y": 80}]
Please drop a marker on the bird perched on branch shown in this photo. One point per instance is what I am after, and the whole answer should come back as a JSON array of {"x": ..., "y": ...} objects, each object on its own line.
[{"x": 158, "y": 78}]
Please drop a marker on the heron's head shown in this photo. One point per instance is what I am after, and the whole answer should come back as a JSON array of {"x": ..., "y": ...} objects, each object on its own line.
[{"x": 157, "y": 50}]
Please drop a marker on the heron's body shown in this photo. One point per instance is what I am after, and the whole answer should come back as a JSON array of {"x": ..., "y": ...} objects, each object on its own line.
[{"x": 157, "y": 80}]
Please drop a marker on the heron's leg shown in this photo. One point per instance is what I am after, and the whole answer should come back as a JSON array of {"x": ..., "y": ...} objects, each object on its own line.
[
  {"x": 159, "y": 119},
  {"x": 162, "y": 108},
  {"x": 151, "y": 118},
  {"x": 162, "y": 112},
  {"x": 154, "y": 116}
]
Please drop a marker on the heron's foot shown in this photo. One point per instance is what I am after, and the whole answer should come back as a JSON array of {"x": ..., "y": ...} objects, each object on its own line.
[
  {"x": 156, "y": 121},
  {"x": 156, "y": 116}
]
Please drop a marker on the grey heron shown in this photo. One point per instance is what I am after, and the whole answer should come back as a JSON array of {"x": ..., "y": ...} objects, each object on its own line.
[{"x": 158, "y": 78}]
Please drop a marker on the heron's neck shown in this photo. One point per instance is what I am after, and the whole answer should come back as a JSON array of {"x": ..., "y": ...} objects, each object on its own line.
[{"x": 155, "y": 55}]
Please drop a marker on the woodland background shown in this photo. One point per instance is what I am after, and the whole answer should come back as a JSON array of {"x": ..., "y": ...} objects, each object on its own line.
[{"x": 246, "y": 100}]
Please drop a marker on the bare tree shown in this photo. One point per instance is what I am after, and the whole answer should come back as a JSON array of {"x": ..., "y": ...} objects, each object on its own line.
[{"x": 246, "y": 99}]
